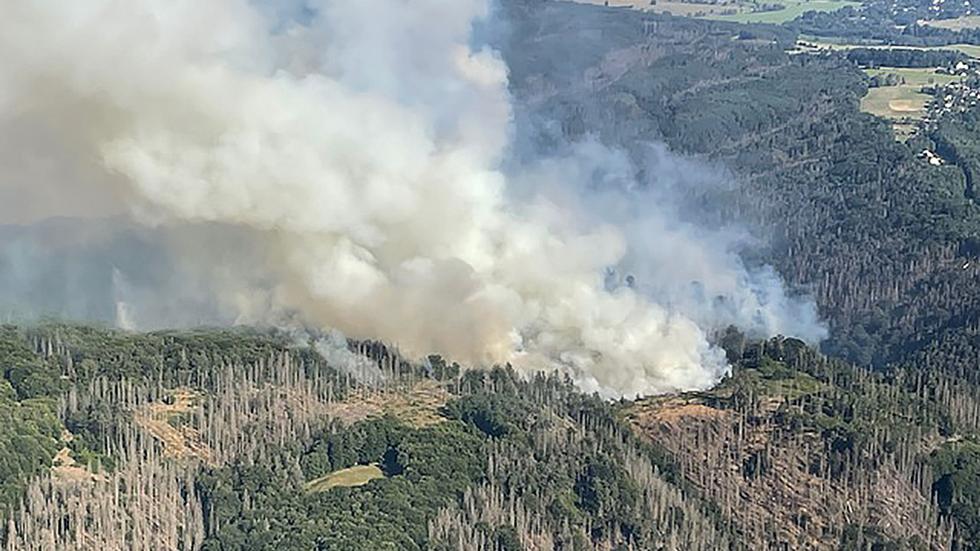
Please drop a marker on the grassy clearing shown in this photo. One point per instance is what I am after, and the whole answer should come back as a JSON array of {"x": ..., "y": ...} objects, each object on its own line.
[
  {"x": 902, "y": 104},
  {"x": 346, "y": 478},
  {"x": 916, "y": 78},
  {"x": 903, "y": 131},
  {"x": 788, "y": 385},
  {"x": 957, "y": 24},
  {"x": 815, "y": 44},
  {"x": 895, "y": 102}
]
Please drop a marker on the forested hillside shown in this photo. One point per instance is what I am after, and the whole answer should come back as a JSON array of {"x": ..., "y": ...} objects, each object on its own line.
[
  {"x": 228, "y": 439},
  {"x": 249, "y": 440},
  {"x": 884, "y": 241},
  {"x": 241, "y": 440}
]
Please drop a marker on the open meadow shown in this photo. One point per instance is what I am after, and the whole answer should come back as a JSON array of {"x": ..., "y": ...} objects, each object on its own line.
[
  {"x": 904, "y": 103},
  {"x": 915, "y": 77},
  {"x": 895, "y": 102}
]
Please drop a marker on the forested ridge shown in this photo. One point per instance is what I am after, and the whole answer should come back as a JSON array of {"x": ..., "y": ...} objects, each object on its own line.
[
  {"x": 876, "y": 235},
  {"x": 486, "y": 460},
  {"x": 250, "y": 439},
  {"x": 477, "y": 459}
]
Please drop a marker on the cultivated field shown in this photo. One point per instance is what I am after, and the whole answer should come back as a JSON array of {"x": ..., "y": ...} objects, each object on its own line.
[
  {"x": 347, "y": 478},
  {"x": 676, "y": 8},
  {"x": 692, "y": 9},
  {"x": 741, "y": 11}
]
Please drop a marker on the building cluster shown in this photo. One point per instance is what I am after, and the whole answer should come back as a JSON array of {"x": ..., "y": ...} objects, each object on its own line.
[{"x": 956, "y": 96}]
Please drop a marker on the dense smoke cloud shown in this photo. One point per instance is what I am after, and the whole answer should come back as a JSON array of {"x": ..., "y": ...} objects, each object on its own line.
[{"x": 344, "y": 166}]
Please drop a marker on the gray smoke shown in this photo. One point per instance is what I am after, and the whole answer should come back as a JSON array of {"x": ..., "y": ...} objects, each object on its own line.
[{"x": 342, "y": 162}]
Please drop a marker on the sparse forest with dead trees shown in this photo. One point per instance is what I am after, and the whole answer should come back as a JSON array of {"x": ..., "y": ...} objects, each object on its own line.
[
  {"x": 254, "y": 439},
  {"x": 248, "y": 440}
]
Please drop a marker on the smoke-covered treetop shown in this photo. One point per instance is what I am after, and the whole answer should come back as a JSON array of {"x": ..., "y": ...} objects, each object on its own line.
[{"x": 354, "y": 156}]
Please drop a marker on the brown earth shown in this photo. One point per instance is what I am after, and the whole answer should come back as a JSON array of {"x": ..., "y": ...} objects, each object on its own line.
[
  {"x": 181, "y": 441},
  {"x": 418, "y": 405}
]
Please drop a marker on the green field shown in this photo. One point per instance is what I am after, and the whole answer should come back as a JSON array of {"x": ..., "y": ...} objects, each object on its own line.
[
  {"x": 347, "y": 478},
  {"x": 794, "y": 8},
  {"x": 971, "y": 50},
  {"x": 894, "y": 102},
  {"x": 690, "y": 9},
  {"x": 903, "y": 104},
  {"x": 915, "y": 77}
]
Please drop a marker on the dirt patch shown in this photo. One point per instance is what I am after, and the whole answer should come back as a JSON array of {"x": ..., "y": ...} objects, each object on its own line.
[
  {"x": 418, "y": 405},
  {"x": 673, "y": 413},
  {"x": 904, "y": 106},
  {"x": 179, "y": 441},
  {"x": 65, "y": 469}
]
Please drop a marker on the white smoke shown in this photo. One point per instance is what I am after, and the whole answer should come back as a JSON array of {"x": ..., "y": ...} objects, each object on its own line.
[
  {"x": 671, "y": 258},
  {"x": 361, "y": 151},
  {"x": 333, "y": 348}
]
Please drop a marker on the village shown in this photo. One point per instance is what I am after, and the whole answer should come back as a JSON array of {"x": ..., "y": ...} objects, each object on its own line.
[
  {"x": 954, "y": 96},
  {"x": 958, "y": 95}
]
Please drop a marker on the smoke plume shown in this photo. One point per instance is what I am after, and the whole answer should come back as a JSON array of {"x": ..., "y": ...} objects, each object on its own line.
[{"x": 343, "y": 162}]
